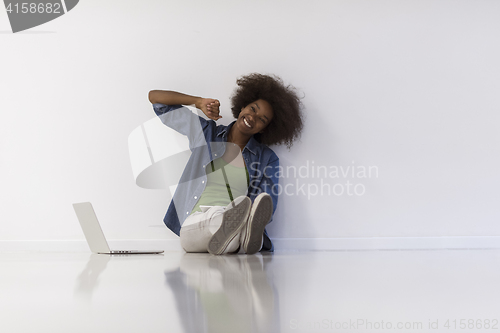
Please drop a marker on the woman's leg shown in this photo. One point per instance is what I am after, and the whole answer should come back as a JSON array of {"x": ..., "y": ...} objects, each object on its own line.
[
  {"x": 198, "y": 229},
  {"x": 218, "y": 228}
]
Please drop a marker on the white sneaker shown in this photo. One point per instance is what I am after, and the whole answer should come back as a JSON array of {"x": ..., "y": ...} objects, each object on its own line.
[
  {"x": 260, "y": 215},
  {"x": 234, "y": 219}
]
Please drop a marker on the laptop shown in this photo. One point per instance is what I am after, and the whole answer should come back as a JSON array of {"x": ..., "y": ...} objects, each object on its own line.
[{"x": 93, "y": 232}]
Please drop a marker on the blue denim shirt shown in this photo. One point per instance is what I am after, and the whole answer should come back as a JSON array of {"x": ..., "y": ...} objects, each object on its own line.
[{"x": 207, "y": 141}]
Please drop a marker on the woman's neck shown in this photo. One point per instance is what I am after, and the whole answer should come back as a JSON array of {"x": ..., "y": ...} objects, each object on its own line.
[{"x": 237, "y": 137}]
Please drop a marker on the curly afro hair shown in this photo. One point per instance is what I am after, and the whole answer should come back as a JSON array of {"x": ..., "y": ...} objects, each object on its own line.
[{"x": 287, "y": 122}]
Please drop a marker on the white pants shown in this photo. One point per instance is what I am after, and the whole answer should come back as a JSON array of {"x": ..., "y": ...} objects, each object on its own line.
[{"x": 199, "y": 227}]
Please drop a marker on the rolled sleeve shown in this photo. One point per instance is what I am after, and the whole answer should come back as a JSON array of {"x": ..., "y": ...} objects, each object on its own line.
[
  {"x": 162, "y": 108},
  {"x": 184, "y": 121}
]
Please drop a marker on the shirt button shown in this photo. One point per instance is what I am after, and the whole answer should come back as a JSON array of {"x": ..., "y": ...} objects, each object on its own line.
[
  {"x": 203, "y": 166},
  {"x": 187, "y": 213},
  {"x": 203, "y": 182},
  {"x": 215, "y": 154},
  {"x": 195, "y": 197}
]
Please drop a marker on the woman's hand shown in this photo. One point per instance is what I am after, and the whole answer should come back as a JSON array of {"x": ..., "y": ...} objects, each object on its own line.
[{"x": 210, "y": 108}]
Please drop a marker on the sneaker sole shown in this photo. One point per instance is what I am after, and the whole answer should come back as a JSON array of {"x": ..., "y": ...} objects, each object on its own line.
[
  {"x": 257, "y": 223},
  {"x": 232, "y": 222}
]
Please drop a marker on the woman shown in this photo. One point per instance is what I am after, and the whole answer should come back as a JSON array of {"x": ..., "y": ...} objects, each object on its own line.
[{"x": 227, "y": 193}]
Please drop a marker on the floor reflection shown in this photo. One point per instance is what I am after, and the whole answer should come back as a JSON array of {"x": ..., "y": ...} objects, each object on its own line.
[
  {"x": 225, "y": 293},
  {"x": 88, "y": 280},
  {"x": 318, "y": 291}
]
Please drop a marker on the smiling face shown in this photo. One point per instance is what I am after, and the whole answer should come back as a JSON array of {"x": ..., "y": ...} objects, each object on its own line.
[{"x": 255, "y": 117}]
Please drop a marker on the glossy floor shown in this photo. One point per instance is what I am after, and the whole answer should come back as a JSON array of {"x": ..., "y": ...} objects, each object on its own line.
[{"x": 340, "y": 291}]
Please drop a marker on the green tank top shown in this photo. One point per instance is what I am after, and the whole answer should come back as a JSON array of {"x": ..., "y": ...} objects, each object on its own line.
[{"x": 218, "y": 192}]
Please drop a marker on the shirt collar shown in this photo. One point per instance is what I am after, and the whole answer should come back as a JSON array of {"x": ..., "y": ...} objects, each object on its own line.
[
  {"x": 225, "y": 131},
  {"x": 253, "y": 145}
]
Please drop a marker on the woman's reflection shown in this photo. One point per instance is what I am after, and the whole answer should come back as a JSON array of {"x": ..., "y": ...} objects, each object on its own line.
[{"x": 224, "y": 293}]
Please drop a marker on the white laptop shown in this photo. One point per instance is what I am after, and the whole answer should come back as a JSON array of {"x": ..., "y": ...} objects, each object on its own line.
[{"x": 93, "y": 232}]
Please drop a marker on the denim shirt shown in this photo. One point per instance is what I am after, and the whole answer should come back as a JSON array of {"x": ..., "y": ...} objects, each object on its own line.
[{"x": 207, "y": 141}]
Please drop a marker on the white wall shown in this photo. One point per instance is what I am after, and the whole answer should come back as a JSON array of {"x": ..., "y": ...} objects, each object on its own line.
[{"x": 408, "y": 87}]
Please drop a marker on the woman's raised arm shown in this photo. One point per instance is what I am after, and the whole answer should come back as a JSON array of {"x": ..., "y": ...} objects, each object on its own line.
[
  {"x": 209, "y": 106},
  {"x": 172, "y": 98}
]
